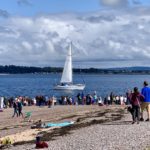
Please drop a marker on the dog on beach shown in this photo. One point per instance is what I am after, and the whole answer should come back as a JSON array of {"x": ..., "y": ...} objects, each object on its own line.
[{"x": 130, "y": 109}]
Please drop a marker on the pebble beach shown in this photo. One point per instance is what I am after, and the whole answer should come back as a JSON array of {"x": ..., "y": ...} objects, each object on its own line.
[{"x": 95, "y": 128}]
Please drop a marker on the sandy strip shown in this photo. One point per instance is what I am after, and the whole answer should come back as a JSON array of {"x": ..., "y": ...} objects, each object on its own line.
[{"x": 26, "y": 135}]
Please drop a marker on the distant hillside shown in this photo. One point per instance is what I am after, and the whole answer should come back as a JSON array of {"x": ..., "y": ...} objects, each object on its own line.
[
  {"x": 11, "y": 69},
  {"x": 136, "y": 68}
]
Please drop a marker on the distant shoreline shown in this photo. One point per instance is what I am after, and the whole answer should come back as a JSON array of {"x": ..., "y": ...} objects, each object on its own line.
[
  {"x": 11, "y": 69},
  {"x": 89, "y": 73},
  {"x": 83, "y": 73}
]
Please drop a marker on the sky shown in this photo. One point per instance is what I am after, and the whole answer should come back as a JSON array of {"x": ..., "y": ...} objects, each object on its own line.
[{"x": 104, "y": 33}]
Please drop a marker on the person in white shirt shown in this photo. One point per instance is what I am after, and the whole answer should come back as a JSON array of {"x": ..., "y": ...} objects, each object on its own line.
[
  {"x": 121, "y": 100},
  {"x": 1, "y": 102}
]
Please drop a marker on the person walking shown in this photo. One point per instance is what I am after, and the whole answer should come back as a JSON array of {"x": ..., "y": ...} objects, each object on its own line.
[
  {"x": 15, "y": 106},
  {"x": 146, "y": 103},
  {"x": 136, "y": 99}
]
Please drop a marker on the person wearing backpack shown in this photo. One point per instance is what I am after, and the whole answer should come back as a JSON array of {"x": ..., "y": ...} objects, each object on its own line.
[{"x": 136, "y": 99}]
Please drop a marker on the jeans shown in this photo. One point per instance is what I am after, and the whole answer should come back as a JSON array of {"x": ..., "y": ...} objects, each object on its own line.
[
  {"x": 15, "y": 112},
  {"x": 136, "y": 113}
]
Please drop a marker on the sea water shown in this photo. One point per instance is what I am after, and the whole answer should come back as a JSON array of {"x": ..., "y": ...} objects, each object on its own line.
[{"x": 42, "y": 84}]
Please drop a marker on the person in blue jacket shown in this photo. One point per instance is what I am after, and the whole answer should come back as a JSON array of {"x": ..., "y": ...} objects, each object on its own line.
[{"x": 146, "y": 103}]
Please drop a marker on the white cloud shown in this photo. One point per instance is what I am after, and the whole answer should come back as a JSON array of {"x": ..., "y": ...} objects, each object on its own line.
[
  {"x": 102, "y": 38},
  {"x": 38, "y": 45},
  {"x": 50, "y": 46},
  {"x": 114, "y": 3},
  {"x": 114, "y": 45},
  {"x": 119, "y": 3},
  {"x": 26, "y": 45}
]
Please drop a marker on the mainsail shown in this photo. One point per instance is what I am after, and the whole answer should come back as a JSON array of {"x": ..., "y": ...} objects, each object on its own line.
[{"x": 67, "y": 71}]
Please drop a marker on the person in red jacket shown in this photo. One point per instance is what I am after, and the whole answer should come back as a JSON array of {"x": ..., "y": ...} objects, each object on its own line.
[
  {"x": 136, "y": 99},
  {"x": 39, "y": 143}
]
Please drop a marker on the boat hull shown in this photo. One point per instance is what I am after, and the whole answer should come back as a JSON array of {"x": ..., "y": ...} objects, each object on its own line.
[{"x": 70, "y": 87}]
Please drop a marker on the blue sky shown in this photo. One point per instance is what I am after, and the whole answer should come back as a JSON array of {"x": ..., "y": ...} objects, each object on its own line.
[
  {"x": 34, "y": 7},
  {"x": 104, "y": 33}
]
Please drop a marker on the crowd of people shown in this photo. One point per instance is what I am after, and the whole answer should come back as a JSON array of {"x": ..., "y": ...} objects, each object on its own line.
[
  {"x": 137, "y": 101},
  {"x": 79, "y": 99}
]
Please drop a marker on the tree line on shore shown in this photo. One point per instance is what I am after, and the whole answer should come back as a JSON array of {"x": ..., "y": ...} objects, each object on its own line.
[{"x": 12, "y": 69}]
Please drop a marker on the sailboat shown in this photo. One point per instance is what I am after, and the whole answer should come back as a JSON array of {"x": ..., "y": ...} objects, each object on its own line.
[{"x": 66, "y": 82}]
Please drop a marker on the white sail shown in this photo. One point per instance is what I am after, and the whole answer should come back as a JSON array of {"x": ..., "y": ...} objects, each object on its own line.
[
  {"x": 67, "y": 71},
  {"x": 67, "y": 75}
]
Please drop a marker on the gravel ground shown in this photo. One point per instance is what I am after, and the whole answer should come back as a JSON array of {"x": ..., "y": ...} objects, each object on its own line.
[{"x": 119, "y": 135}]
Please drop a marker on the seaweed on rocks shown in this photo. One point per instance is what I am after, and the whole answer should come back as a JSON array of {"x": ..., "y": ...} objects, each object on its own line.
[{"x": 86, "y": 120}]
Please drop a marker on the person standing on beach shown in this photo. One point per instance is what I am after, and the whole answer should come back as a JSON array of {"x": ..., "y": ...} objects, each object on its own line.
[
  {"x": 146, "y": 102},
  {"x": 20, "y": 107},
  {"x": 136, "y": 99},
  {"x": 1, "y": 102},
  {"x": 128, "y": 93},
  {"x": 15, "y": 106}
]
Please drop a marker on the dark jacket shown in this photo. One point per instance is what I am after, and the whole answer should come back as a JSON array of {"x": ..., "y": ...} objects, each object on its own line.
[
  {"x": 136, "y": 99},
  {"x": 15, "y": 106}
]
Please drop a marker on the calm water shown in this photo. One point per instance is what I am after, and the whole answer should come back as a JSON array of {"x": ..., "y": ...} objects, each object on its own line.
[{"x": 35, "y": 84}]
